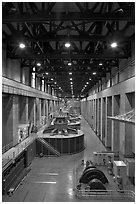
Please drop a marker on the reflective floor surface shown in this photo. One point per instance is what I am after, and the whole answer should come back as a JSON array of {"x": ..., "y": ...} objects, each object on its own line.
[{"x": 53, "y": 179}]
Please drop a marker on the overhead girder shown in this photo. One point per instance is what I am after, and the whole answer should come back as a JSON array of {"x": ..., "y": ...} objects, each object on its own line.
[
  {"x": 41, "y": 17},
  {"x": 31, "y": 34},
  {"x": 50, "y": 37},
  {"x": 93, "y": 25},
  {"x": 55, "y": 55},
  {"x": 77, "y": 77},
  {"x": 78, "y": 65}
]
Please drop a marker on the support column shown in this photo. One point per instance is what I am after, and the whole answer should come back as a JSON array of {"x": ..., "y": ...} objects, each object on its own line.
[
  {"x": 34, "y": 113},
  {"x": 15, "y": 119},
  {"x": 39, "y": 107},
  {"x": 7, "y": 119},
  {"x": 94, "y": 114},
  {"x": 109, "y": 122},
  {"x": 122, "y": 125},
  {"x": 44, "y": 109},
  {"x": 31, "y": 102},
  {"x": 101, "y": 119},
  {"x": 129, "y": 128},
  {"x": 23, "y": 110},
  {"x": 53, "y": 108},
  {"x": 27, "y": 110},
  {"x": 96, "y": 127},
  {"x": 112, "y": 132},
  {"x": 37, "y": 112},
  {"x": 47, "y": 109},
  {"x": 115, "y": 124}
]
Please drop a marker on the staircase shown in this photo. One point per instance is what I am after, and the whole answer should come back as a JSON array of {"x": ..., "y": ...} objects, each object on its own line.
[{"x": 49, "y": 146}]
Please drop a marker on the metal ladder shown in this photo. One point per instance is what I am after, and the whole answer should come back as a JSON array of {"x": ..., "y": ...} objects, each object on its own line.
[{"x": 49, "y": 146}]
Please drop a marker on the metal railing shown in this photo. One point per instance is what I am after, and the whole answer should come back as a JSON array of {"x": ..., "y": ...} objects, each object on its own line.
[
  {"x": 7, "y": 147},
  {"x": 109, "y": 195},
  {"x": 17, "y": 149},
  {"x": 49, "y": 146}
]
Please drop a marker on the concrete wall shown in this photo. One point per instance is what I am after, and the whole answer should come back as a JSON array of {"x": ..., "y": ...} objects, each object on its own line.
[
  {"x": 20, "y": 102},
  {"x": 26, "y": 75},
  {"x": 117, "y": 96},
  {"x": 126, "y": 70},
  {"x": 11, "y": 68},
  {"x": 7, "y": 120}
]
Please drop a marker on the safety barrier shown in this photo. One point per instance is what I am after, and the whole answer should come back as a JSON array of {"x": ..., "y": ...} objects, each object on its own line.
[
  {"x": 109, "y": 195},
  {"x": 49, "y": 146},
  {"x": 7, "y": 147}
]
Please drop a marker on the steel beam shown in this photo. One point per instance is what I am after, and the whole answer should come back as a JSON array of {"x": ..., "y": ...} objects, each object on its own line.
[
  {"x": 48, "y": 37},
  {"x": 69, "y": 56},
  {"x": 72, "y": 16}
]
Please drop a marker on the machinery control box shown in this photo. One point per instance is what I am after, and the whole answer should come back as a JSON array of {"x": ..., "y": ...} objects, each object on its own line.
[{"x": 102, "y": 158}]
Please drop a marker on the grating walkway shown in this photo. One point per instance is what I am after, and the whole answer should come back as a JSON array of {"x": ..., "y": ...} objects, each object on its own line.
[{"x": 53, "y": 179}]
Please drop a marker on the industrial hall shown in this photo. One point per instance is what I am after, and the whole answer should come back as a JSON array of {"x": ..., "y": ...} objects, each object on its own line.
[{"x": 68, "y": 101}]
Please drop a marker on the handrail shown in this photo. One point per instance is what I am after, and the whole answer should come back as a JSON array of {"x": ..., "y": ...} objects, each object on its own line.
[
  {"x": 126, "y": 117},
  {"x": 7, "y": 147},
  {"x": 111, "y": 195},
  {"x": 49, "y": 146},
  {"x": 23, "y": 87}
]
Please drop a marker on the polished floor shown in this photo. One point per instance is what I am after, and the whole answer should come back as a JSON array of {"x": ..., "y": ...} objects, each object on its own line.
[{"x": 53, "y": 179}]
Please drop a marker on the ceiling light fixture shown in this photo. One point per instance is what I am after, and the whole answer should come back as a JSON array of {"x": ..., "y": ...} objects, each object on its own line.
[
  {"x": 114, "y": 45},
  {"x": 46, "y": 73},
  {"x": 87, "y": 82},
  {"x": 67, "y": 44},
  {"x": 38, "y": 64},
  {"x": 70, "y": 73},
  {"x": 94, "y": 73},
  {"x": 90, "y": 79},
  {"x": 69, "y": 63},
  {"x": 51, "y": 79},
  {"x": 22, "y": 45},
  {"x": 100, "y": 64},
  {"x": 70, "y": 79}
]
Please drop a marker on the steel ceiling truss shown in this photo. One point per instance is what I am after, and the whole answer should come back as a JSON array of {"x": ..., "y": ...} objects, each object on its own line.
[{"x": 89, "y": 26}]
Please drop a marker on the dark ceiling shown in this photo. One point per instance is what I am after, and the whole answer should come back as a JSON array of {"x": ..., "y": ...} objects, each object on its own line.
[{"x": 90, "y": 27}]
